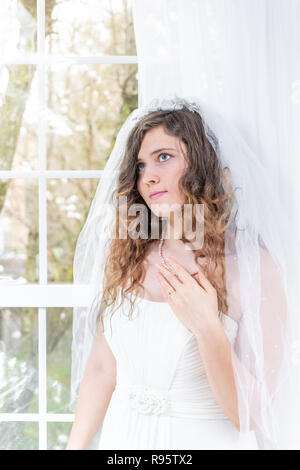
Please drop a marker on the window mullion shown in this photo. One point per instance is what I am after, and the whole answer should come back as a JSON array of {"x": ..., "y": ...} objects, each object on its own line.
[
  {"x": 35, "y": 59},
  {"x": 42, "y": 323},
  {"x": 12, "y": 174},
  {"x": 51, "y": 295}
]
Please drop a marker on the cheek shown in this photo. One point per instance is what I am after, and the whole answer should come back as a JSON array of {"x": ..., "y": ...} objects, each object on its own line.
[
  {"x": 175, "y": 177},
  {"x": 141, "y": 189},
  {"x": 139, "y": 186}
]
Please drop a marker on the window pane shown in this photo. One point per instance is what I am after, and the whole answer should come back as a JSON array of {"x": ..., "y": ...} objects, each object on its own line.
[
  {"x": 19, "y": 235},
  {"x": 90, "y": 27},
  {"x": 17, "y": 27},
  {"x": 19, "y": 436},
  {"x": 18, "y": 117},
  {"x": 18, "y": 360},
  {"x": 59, "y": 342},
  {"x": 87, "y": 104},
  {"x": 68, "y": 204},
  {"x": 58, "y": 435}
]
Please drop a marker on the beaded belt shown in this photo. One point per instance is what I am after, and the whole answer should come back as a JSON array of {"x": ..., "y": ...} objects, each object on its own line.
[{"x": 183, "y": 403}]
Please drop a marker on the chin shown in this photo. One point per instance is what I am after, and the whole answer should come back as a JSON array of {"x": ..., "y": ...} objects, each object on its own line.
[{"x": 160, "y": 210}]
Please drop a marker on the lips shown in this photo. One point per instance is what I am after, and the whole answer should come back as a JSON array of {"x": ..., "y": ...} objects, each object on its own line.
[{"x": 157, "y": 194}]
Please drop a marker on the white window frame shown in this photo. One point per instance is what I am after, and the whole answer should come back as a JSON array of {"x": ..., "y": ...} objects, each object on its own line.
[{"x": 42, "y": 295}]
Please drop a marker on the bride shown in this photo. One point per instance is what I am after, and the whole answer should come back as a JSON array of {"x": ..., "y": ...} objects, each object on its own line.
[{"x": 193, "y": 355}]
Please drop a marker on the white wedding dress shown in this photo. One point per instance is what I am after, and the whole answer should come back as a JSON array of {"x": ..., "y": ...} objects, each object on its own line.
[{"x": 162, "y": 398}]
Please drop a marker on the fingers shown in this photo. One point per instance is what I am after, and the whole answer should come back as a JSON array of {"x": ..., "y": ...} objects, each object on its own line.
[
  {"x": 185, "y": 276},
  {"x": 170, "y": 277},
  {"x": 182, "y": 273},
  {"x": 165, "y": 286},
  {"x": 205, "y": 282}
]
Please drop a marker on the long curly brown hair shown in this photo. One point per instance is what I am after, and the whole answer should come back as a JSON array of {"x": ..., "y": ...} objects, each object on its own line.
[{"x": 204, "y": 182}]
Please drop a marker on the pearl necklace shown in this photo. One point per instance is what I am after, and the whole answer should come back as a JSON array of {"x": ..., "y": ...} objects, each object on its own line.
[{"x": 163, "y": 261}]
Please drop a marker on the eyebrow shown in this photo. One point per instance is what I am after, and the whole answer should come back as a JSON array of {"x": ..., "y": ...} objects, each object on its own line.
[{"x": 158, "y": 150}]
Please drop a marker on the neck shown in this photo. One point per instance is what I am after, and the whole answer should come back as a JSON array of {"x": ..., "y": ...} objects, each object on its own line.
[
  {"x": 172, "y": 244},
  {"x": 172, "y": 231}
]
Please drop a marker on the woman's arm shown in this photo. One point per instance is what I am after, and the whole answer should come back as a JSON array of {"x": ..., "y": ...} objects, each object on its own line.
[
  {"x": 96, "y": 388},
  {"x": 223, "y": 365},
  {"x": 215, "y": 351},
  {"x": 94, "y": 396}
]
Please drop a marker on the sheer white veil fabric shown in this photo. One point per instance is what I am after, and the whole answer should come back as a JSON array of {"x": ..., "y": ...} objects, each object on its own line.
[
  {"x": 238, "y": 64},
  {"x": 241, "y": 57},
  {"x": 261, "y": 288}
]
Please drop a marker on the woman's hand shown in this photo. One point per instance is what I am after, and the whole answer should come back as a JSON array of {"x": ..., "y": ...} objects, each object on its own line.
[{"x": 194, "y": 302}]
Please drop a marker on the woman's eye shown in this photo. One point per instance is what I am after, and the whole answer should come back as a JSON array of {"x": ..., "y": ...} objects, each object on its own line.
[
  {"x": 164, "y": 154},
  {"x": 161, "y": 154},
  {"x": 138, "y": 165}
]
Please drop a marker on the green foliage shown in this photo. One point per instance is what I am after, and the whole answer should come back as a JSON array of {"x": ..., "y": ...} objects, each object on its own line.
[{"x": 87, "y": 104}]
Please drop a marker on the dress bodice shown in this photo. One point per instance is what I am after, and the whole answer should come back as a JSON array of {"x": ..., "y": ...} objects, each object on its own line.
[{"x": 159, "y": 367}]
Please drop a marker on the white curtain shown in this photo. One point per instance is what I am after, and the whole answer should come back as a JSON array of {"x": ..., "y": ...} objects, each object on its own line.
[{"x": 243, "y": 57}]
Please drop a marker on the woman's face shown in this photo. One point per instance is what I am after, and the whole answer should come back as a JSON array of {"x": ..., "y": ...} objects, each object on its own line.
[{"x": 160, "y": 165}]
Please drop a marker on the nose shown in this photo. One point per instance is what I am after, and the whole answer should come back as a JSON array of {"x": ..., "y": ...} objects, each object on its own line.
[{"x": 150, "y": 175}]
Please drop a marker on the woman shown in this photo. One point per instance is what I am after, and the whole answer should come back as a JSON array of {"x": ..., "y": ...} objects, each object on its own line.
[{"x": 177, "y": 366}]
